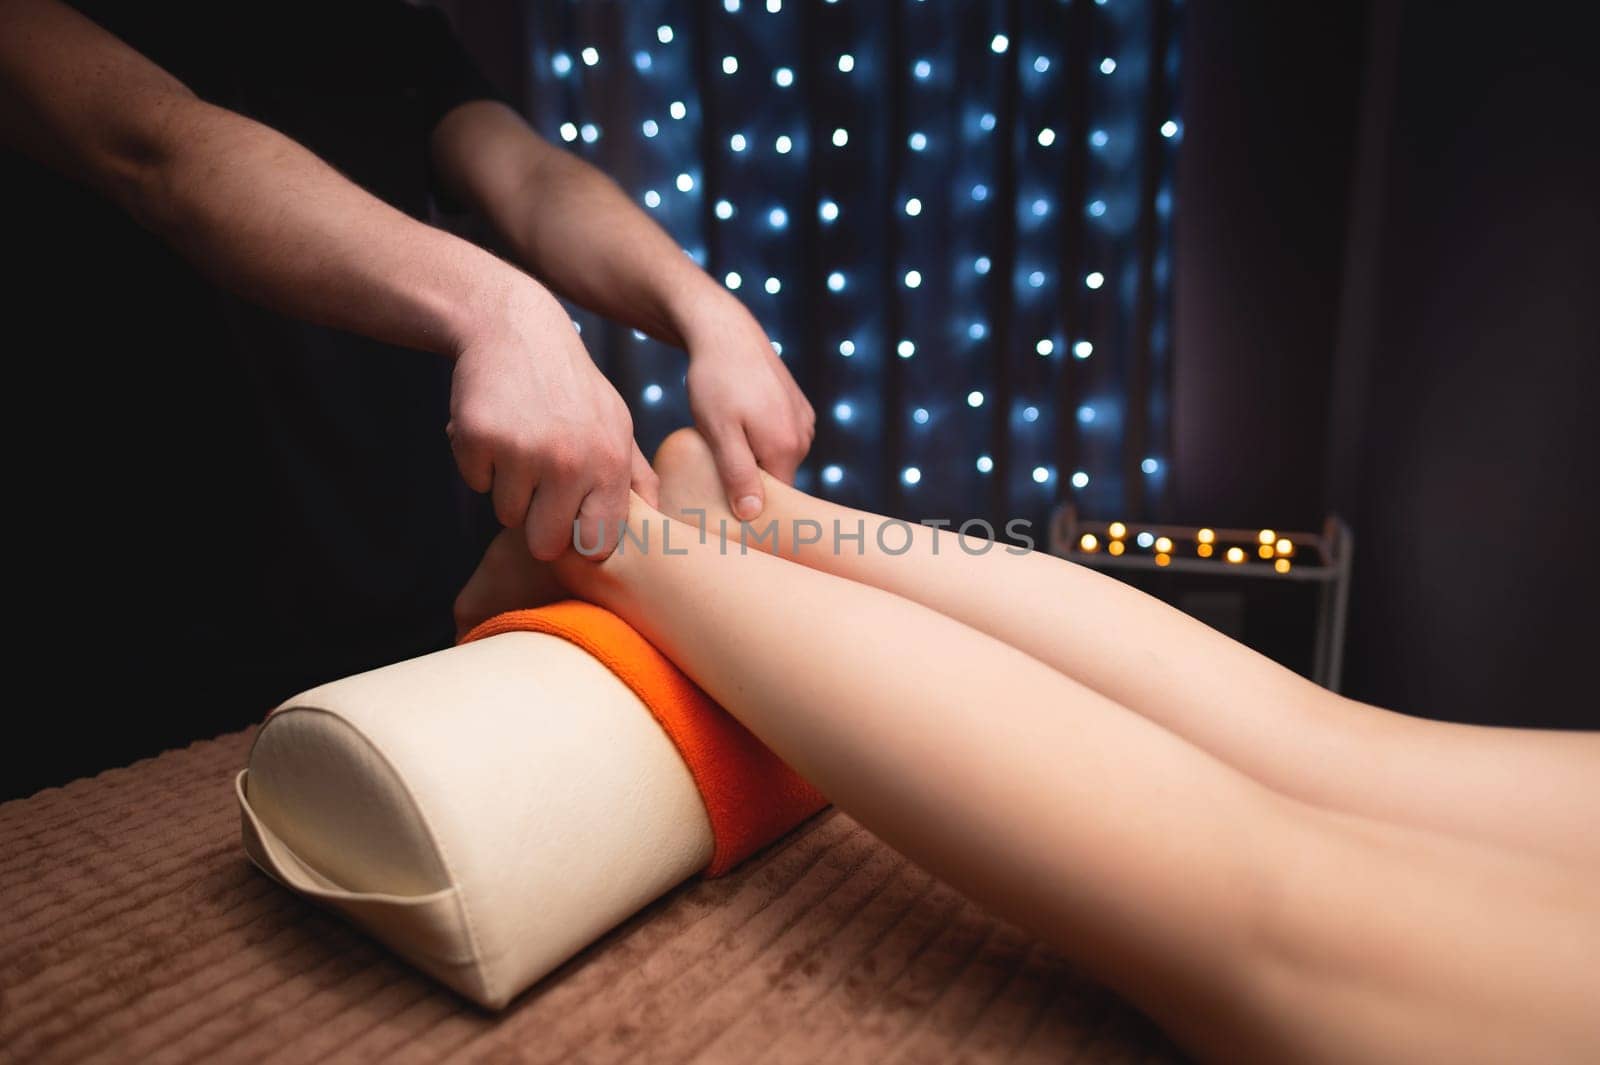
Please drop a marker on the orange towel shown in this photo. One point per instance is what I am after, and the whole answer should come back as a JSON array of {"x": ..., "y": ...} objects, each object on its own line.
[{"x": 751, "y": 795}]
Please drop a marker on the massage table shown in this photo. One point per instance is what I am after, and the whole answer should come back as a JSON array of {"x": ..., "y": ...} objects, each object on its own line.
[{"x": 135, "y": 929}]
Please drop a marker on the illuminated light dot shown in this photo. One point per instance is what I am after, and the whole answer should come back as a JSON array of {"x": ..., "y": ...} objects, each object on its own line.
[
  {"x": 590, "y": 132},
  {"x": 561, "y": 63},
  {"x": 847, "y": 348},
  {"x": 1047, "y": 137},
  {"x": 1265, "y": 550},
  {"x": 1080, "y": 479},
  {"x": 917, "y": 141},
  {"x": 664, "y": 34},
  {"x": 730, "y": 6},
  {"x": 1266, "y": 536},
  {"x": 1094, "y": 279},
  {"x": 911, "y": 475},
  {"x": 773, "y": 286},
  {"x": 1117, "y": 530},
  {"x": 1163, "y": 559},
  {"x": 920, "y": 415},
  {"x": 847, "y": 63},
  {"x": 1041, "y": 475},
  {"x": 841, "y": 137},
  {"x": 1036, "y": 279},
  {"x": 1041, "y": 64},
  {"x": 843, "y": 412},
  {"x": 905, "y": 349},
  {"x": 1099, "y": 138},
  {"x": 1083, "y": 349},
  {"x": 1204, "y": 550},
  {"x": 981, "y": 264},
  {"x": 980, "y": 192},
  {"x": 1030, "y": 414},
  {"x": 1040, "y": 208},
  {"x": 1169, "y": 129},
  {"x": 724, "y": 210},
  {"x": 1116, "y": 547},
  {"x": 922, "y": 70},
  {"x": 832, "y": 474},
  {"x": 637, "y": 335},
  {"x": 913, "y": 279},
  {"x": 642, "y": 61},
  {"x": 783, "y": 144},
  {"x": 777, "y": 348},
  {"x": 777, "y": 218},
  {"x": 1088, "y": 542},
  {"x": 985, "y": 464},
  {"x": 1235, "y": 555},
  {"x": 1164, "y": 544},
  {"x": 678, "y": 110},
  {"x": 568, "y": 131},
  {"x": 652, "y": 198},
  {"x": 733, "y": 280},
  {"x": 1206, "y": 536},
  {"x": 577, "y": 325},
  {"x": 1150, "y": 465},
  {"x": 1281, "y": 565},
  {"x": 1045, "y": 346},
  {"x": 774, "y": 6},
  {"x": 783, "y": 77},
  {"x": 1145, "y": 539},
  {"x": 977, "y": 330},
  {"x": 974, "y": 398},
  {"x": 986, "y": 121},
  {"x": 836, "y": 282},
  {"x": 1108, "y": 65},
  {"x": 999, "y": 43},
  {"x": 828, "y": 211},
  {"x": 1284, "y": 546},
  {"x": 685, "y": 183},
  {"x": 730, "y": 65},
  {"x": 1086, "y": 414},
  {"x": 913, "y": 207},
  {"x": 652, "y": 394},
  {"x": 737, "y": 142},
  {"x": 1097, "y": 208},
  {"x": 650, "y": 127},
  {"x": 591, "y": 56}
]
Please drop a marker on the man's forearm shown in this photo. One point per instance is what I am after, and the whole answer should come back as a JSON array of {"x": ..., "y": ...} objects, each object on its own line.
[{"x": 269, "y": 220}]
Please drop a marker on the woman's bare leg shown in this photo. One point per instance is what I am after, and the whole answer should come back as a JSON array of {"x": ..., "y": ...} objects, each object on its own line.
[
  {"x": 1521, "y": 788},
  {"x": 1253, "y": 926}
]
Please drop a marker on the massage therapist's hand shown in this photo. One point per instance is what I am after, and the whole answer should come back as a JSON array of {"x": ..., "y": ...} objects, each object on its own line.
[
  {"x": 533, "y": 421},
  {"x": 744, "y": 402}
]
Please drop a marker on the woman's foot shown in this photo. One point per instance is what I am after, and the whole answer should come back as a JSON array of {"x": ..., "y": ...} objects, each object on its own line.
[
  {"x": 508, "y": 578},
  {"x": 691, "y": 490}
]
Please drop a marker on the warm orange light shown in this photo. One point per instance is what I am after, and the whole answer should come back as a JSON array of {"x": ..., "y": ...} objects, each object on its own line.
[
  {"x": 1282, "y": 565},
  {"x": 1163, "y": 545},
  {"x": 1089, "y": 542},
  {"x": 1285, "y": 546},
  {"x": 1236, "y": 555},
  {"x": 1117, "y": 530},
  {"x": 1265, "y": 550},
  {"x": 1116, "y": 547},
  {"x": 1204, "y": 550},
  {"x": 1163, "y": 559},
  {"x": 1266, "y": 536},
  {"x": 1206, "y": 536}
]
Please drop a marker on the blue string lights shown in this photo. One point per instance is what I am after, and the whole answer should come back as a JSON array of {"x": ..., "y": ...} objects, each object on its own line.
[{"x": 953, "y": 220}]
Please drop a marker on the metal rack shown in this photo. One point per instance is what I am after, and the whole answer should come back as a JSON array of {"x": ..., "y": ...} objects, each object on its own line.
[{"x": 1320, "y": 557}]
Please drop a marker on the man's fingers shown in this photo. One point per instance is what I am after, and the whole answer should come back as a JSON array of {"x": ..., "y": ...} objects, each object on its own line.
[
  {"x": 475, "y": 461},
  {"x": 600, "y": 520},
  {"x": 645, "y": 481},
  {"x": 741, "y": 479},
  {"x": 513, "y": 490},
  {"x": 555, "y": 506}
]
